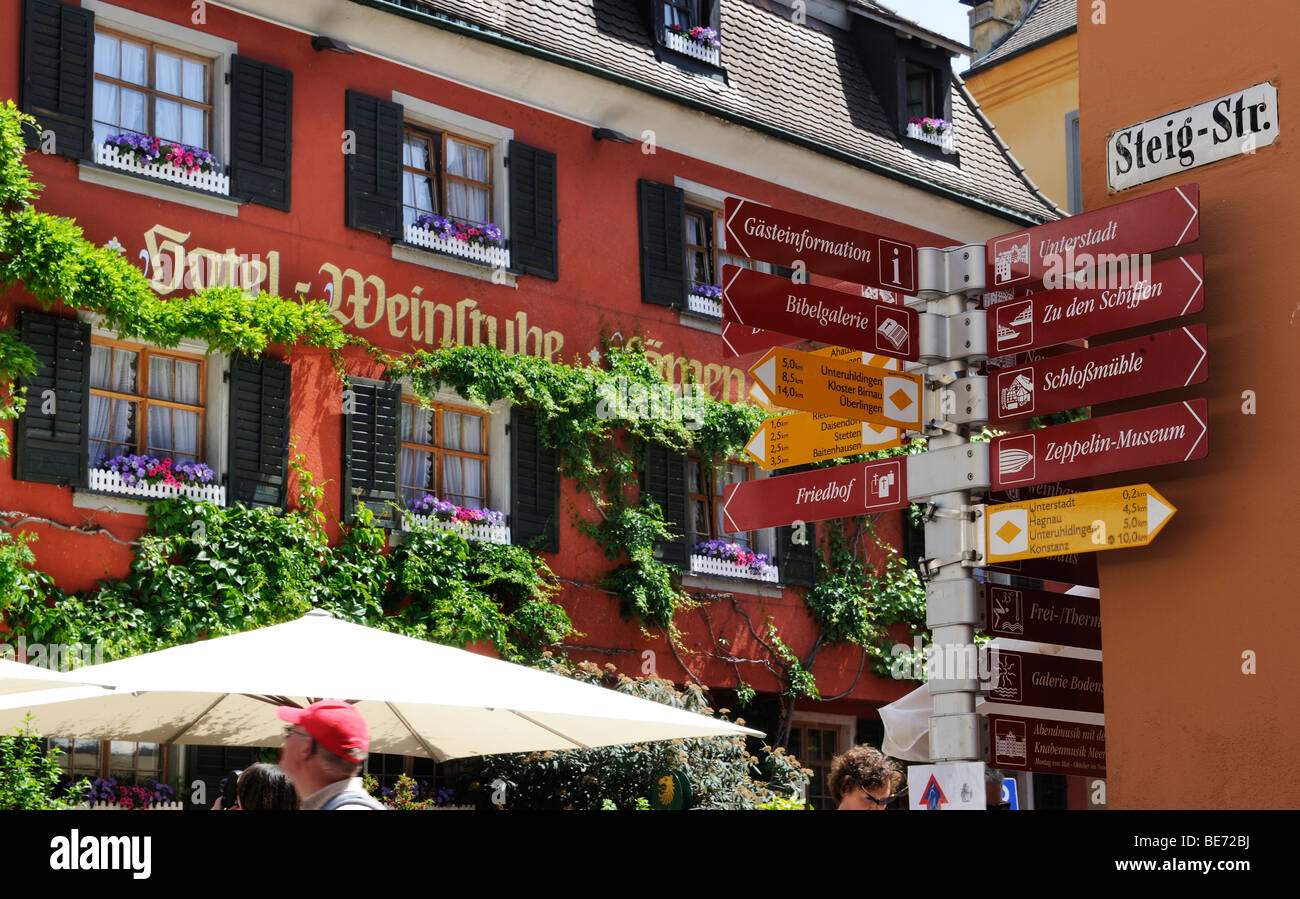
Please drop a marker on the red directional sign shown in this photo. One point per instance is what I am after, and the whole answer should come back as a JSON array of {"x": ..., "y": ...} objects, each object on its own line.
[
  {"x": 1055, "y": 316},
  {"x": 774, "y": 235},
  {"x": 1157, "y": 436},
  {"x": 840, "y": 492},
  {"x": 818, "y": 313},
  {"x": 1047, "y": 681},
  {"x": 1042, "y": 617},
  {"x": 1047, "y": 746},
  {"x": 741, "y": 340},
  {"x": 1075, "y": 568},
  {"x": 1167, "y": 219},
  {"x": 1117, "y": 370}
]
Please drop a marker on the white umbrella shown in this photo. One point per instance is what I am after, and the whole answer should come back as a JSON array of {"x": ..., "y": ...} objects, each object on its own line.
[
  {"x": 419, "y": 698},
  {"x": 15, "y": 677}
]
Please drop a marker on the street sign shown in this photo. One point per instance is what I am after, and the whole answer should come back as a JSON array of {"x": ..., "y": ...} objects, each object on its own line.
[
  {"x": 1127, "y": 368},
  {"x": 840, "y": 492},
  {"x": 1144, "y": 225},
  {"x": 775, "y": 235},
  {"x": 811, "y": 383},
  {"x": 1009, "y": 795},
  {"x": 1241, "y": 122},
  {"x": 1047, "y": 746},
  {"x": 1047, "y": 681},
  {"x": 947, "y": 787},
  {"x": 1072, "y": 568},
  {"x": 1055, "y": 316},
  {"x": 818, "y": 313},
  {"x": 741, "y": 340},
  {"x": 1176, "y": 432},
  {"x": 1042, "y": 617},
  {"x": 803, "y": 437},
  {"x": 1079, "y": 523}
]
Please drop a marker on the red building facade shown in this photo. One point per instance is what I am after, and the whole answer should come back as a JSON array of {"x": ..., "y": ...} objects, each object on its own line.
[{"x": 331, "y": 160}]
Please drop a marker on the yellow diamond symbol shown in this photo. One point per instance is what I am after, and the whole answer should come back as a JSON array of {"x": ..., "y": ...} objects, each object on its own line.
[
  {"x": 900, "y": 399},
  {"x": 1007, "y": 532}
]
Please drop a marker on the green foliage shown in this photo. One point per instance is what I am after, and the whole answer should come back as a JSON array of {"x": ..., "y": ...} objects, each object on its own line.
[
  {"x": 16, "y": 185},
  {"x": 648, "y": 589},
  {"x": 16, "y": 361},
  {"x": 785, "y": 804},
  {"x": 799, "y": 680},
  {"x": 29, "y": 778},
  {"x": 855, "y": 600},
  {"x": 721, "y": 773}
]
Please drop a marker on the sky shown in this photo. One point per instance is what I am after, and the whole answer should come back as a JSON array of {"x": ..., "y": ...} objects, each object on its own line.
[{"x": 948, "y": 17}]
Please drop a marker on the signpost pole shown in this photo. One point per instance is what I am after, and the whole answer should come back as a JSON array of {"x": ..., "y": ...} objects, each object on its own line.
[{"x": 945, "y": 475}]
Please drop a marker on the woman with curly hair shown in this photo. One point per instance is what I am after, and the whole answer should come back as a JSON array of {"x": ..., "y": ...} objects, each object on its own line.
[{"x": 864, "y": 779}]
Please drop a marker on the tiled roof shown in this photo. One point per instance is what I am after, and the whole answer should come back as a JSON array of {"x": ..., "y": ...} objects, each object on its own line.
[
  {"x": 1046, "y": 21},
  {"x": 807, "y": 80}
]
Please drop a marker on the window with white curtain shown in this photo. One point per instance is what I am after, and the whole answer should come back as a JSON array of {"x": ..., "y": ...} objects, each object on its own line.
[
  {"x": 148, "y": 88},
  {"x": 144, "y": 400},
  {"x": 444, "y": 453},
  {"x": 446, "y": 174}
]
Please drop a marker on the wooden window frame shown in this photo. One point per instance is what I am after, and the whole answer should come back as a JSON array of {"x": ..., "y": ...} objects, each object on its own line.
[
  {"x": 106, "y": 757},
  {"x": 438, "y": 409},
  {"x": 151, "y": 91},
  {"x": 932, "y": 105},
  {"x": 708, "y": 218},
  {"x": 446, "y": 177},
  {"x": 142, "y": 398},
  {"x": 690, "y": 7},
  {"x": 711, "y": 502},
  {"x": 434, "y": 174}
]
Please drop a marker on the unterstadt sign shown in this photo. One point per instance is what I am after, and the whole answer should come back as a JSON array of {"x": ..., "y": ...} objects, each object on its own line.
[
  {"x": 1076, "y": 523},
  {"x": 1166, "y": 219}
]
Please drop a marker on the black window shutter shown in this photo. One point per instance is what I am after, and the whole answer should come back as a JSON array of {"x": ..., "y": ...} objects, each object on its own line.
[
  {"x": 58, "y": 81},
  {"x": 370, "y": 428},
  {"x": 535, "y": 487},
  {"x": 259, "y": 432},
  {"x": 373, "y": 174},
  {"x": 797, "y": 562},
  {"x": 534, "y": 228},
  {"x": 52, "y": 447},
  {"x": 665, "y": 480},
  {"x": 261, "y": 139},
  {"x": 663, "y": 255}
]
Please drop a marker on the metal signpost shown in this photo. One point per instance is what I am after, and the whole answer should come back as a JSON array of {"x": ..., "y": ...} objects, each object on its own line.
[{"x": 946, "y": 394}]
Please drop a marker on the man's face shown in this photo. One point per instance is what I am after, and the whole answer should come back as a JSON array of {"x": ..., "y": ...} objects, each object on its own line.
[
  {"x": 295, "y": 751},
  {"x": 861, "y": 800}
]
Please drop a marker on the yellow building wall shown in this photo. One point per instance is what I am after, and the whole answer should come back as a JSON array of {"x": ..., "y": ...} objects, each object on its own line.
[{"x": 1027, "y": 98}]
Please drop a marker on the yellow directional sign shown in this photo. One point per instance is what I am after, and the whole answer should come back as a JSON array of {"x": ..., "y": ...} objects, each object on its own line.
[
  {"x": 813, "y": 383},
  {"x": 1075, "y": 523},
  {"x": 759, "y": 395},
  {"x": 804, "y": 437}
]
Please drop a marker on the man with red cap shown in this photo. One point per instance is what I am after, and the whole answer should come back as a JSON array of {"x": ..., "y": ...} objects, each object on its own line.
[{"x": 323, "y": 751}]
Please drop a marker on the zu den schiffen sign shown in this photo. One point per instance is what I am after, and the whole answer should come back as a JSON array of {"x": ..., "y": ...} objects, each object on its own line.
[{"x": 1239, "y": 123}]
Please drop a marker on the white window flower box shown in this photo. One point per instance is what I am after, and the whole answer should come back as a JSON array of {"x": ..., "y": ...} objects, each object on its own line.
[
  {"x": 105, "y": 481},
  {"x": 210, "y": 182},
  {"x": 688, "y": 47},
  {"x": 704, "y": 305},
  {"x": 724, "y": 568},
  {"x": 484, "y": 533},
  {"x": 941, "y": 139},
  {"x": 496, "y": 257}
]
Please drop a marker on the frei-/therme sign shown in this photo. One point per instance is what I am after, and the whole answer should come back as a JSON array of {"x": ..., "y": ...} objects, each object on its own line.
[{"x": 1240, "y": 122}]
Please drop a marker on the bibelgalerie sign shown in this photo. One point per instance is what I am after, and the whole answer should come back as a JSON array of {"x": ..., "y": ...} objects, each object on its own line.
[
  {"x": 1062, "y": 282},
  {"x": 1240, "y": 122}
]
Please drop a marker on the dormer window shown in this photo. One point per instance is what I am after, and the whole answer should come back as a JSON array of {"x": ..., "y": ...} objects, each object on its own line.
[
  {"x": 922, "y": 92},
  {"x": 689, "y": 30}
]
